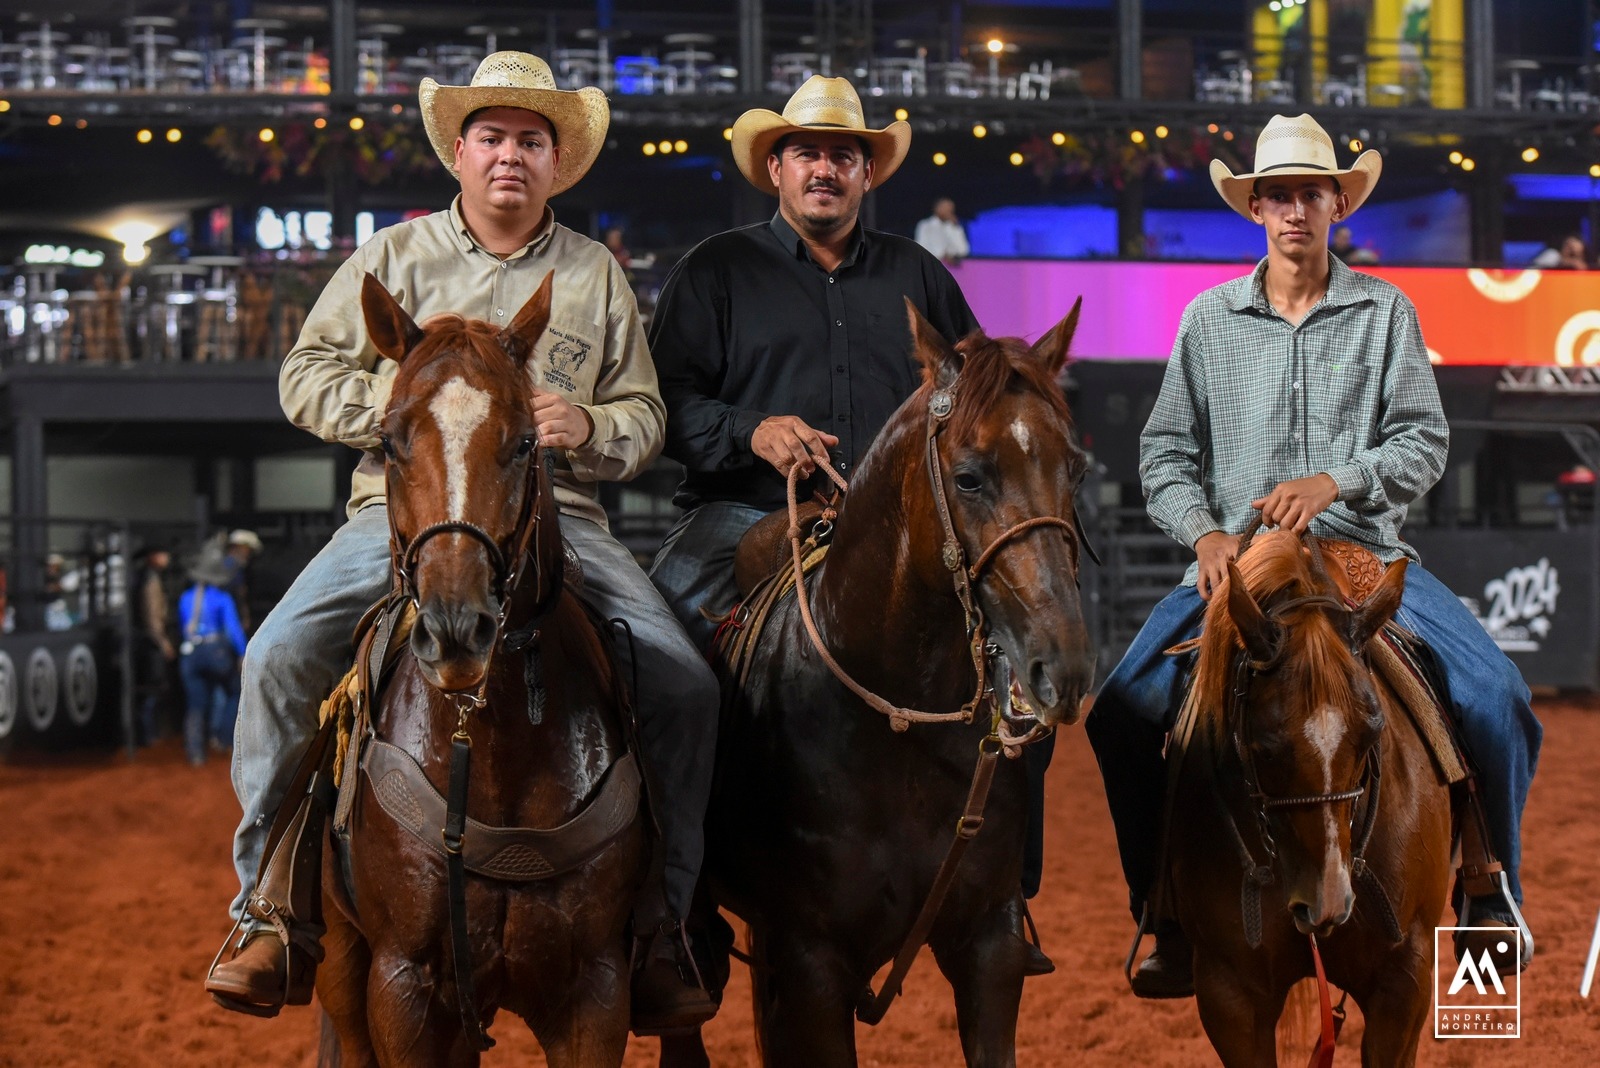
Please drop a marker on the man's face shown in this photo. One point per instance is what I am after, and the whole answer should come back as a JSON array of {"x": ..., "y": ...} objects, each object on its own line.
[
  {"x": 946, "y": 210},
  {"x": 1297, "y": 211},
  {"x": 821, "y": 178},
  {"x": 507, "y": 161},
  {"x": 160, "y": 559}
]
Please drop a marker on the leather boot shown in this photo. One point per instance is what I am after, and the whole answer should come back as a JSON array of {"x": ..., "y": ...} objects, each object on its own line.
[
  {"x": 263, "y": 976},
  {"x": 1037, "y": 962},
  {"x": 668, "y": 992},
  {"x": 1168, "y": 972},
  {"x": 1497, "y": 938}
]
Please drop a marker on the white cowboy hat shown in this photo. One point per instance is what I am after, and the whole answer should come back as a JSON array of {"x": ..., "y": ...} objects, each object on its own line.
[
  {"x": 519, "y": 80},
  {"x": 826, "y": 104},
  {"x": 1297, "y": 146},
  {"x": 248, "y": 538}
]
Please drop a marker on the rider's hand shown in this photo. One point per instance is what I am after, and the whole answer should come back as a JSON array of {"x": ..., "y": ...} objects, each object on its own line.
[
  {"x": 1293, "y": 505},
  {"x": 785, "y": 441},
  {"x": 562, "y": 424},
  {"x": 1214, "y": 550}
]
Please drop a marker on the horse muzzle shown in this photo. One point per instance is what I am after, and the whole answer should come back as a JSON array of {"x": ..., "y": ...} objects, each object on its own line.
[{"x": 453, "y": 642}]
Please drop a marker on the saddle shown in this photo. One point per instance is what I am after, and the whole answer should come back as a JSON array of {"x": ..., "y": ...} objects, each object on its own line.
[
  {"x": 764, "y": 549},
  {"x": 764, "y": 569}
]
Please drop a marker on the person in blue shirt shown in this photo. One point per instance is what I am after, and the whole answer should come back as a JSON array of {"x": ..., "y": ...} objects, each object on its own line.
[{"x": 213, "y": 643}]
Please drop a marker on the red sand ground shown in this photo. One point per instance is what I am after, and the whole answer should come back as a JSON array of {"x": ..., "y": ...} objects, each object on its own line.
[{"x": 114, "y": 877}]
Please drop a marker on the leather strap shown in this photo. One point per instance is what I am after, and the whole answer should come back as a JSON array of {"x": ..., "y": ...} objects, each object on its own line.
[
  {"x": 872, "y": 1007},
  {"x": 512, "y": 854},
  {"x": 460, "y": 942}
]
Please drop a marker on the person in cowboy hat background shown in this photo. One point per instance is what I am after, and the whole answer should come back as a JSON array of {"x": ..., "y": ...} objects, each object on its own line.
[
  {"x": 513, "y": 141},
  {"x": 785, "y": 343},
  {"x": 212, "y": 642},
  {"x": 1303, "y": 390}
]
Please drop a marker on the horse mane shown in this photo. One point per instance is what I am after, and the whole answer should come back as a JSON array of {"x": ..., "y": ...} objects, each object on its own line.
[
  {"x": 990, "y": 367},
  {"x": 1274, "y": 568},
  {"x": 472, "y": 340}
]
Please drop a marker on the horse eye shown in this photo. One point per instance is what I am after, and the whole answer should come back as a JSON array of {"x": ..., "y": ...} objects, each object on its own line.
[
  {"x": 525, "y": 447},
  {"x": 967, "y": 482},
  {"x": 388, "y": 446}
]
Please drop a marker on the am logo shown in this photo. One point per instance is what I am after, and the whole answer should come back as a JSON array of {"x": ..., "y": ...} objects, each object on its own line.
[{"x": 1471, "y": 999}]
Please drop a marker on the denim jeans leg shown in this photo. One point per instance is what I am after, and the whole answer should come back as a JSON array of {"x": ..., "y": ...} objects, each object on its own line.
[
  {"x": 1126, "y": 727},
  {"x": 676, "y": 697},
  {"x": 694, "y": 567},
  {"x": 300, "y": 651},
  {"x": 1492, "y": 706}
]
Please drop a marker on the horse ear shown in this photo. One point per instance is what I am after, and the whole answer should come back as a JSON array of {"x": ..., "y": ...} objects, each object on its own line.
[
  {"x": 393, "y": 332},
  {"x": 519, "y": 338},
  {"x": 1260, "y": 634},
  {"x": 940, "y": 361},
  {"x": 1380, "y": 605},
  {"x": 1051, "y": 350}
]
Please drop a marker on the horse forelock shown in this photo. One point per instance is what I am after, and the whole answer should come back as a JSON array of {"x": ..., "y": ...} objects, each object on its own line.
[
  {"x": 1274, "y": 568},
  {"x": 990, "y": 368},
  {"x": 451, "y": 342}
]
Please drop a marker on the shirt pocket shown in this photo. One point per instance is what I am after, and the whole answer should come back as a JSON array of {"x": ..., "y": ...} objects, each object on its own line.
[
  {"x": 567, "y": 358},
  {"x": 889, "y": 360},
  {"x": 1337, "y": 402}
]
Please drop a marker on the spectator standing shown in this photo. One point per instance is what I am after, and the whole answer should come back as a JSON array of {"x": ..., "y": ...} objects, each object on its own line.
[
  {"x": 243, "y": 546},
  {"x": 618, "y": 250},
  {"x": 154, "y": 651},
  {"x": 942, "y": 233},
  {"x": 213, "y": 645}
]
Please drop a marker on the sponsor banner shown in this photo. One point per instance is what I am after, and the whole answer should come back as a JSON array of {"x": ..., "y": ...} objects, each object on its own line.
[
  {"x": 1534, "y": 591},
  {"x": 1131, "y": 310}
]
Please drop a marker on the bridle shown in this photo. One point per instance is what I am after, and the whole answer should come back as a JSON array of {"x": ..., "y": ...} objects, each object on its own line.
[{"x": 963, "y": 577}]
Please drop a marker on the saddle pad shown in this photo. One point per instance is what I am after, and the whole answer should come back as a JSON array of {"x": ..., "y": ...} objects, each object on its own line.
[
  {"x": 1394, "y": 658},
  {"x": 735, "y": 640},
  {"x": 342, "y": 704}
]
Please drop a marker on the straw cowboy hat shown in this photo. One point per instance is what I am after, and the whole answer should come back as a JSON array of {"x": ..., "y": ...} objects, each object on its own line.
[
  {"x": 829, "y": 104},
  {"x": 1297, "y": 146},
  {"x": 210, "y": 569},
  {"x": 248, "y": 538},
  {"x": 518, "y": 80}
]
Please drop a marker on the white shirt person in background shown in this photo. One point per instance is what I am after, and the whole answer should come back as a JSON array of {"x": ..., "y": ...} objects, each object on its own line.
[{"x": 942, "y": 234}]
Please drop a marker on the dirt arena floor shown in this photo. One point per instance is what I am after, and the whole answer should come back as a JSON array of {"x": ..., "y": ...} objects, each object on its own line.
[{"x": 114, "y": 877}]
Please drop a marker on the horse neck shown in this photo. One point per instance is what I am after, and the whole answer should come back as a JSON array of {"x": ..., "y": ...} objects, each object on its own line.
[{"x": 875, "y": 590}]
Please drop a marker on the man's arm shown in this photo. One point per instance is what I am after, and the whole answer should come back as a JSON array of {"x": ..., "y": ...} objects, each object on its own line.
[
  {"x": 1413, "y": 438},
  {"x": 1173, "y": 443},
  {"x": 627, "y": 415},
  {"x": 688, "y": 337},
  {"x": 327, "y": 383}
]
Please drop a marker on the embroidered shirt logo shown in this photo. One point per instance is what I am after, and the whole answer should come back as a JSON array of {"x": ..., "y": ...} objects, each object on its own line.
[{"x": 565, "y": 357}]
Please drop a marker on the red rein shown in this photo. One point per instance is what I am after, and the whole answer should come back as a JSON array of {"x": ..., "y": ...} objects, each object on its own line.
[{"x": 1322, "y": 1056}]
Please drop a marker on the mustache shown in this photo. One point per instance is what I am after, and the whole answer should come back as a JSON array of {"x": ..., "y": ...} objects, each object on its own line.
[{"x": 829, "y": 186}]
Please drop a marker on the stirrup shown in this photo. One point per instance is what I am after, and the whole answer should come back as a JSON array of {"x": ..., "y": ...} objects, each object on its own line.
[{"x": 1504, "y": 889}]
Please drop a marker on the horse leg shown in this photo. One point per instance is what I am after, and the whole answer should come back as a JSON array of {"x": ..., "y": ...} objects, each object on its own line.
[
  {"x": 1396, "y": 1010},
  {"x": 684, "y": 1051},
  {"x": 1241, "y": 1029},
  {"x": 341, "y": 990},
  {"x": 409, "y": 1024},
  {"x": 594, "y": 1030},
  {"x": 805, "y": 1004},
  {"x": 986, "y": 970}
]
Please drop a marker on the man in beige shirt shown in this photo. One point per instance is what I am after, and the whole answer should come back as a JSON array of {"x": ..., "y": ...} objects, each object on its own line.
[{"x": 513, "y": 141}]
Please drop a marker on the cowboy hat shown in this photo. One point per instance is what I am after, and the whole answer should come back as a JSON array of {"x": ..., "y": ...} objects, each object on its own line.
[
  {"x": 210, "y": 569},
  {"x": 518, "y": 80},
  {"x": 1297, "y": 146},
  {"x": 826, "y": 104},
  {"x": 248, "y": 538}
]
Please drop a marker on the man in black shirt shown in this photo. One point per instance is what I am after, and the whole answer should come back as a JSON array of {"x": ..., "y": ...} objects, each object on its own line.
[{"x": 786, "y": 342}]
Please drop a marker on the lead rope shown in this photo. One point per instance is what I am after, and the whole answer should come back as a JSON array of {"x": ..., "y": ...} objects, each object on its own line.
[{"x": 1332, "y": 1016}]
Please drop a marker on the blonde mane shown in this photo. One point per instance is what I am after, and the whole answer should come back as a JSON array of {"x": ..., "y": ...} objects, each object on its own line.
[{"x": 1275, "y": 568}]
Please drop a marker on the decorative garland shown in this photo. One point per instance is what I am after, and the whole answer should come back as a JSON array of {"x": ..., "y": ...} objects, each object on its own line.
[{"x": 376, "y": 153}]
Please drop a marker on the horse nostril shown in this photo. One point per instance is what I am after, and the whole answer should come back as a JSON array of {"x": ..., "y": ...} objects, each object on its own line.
[
  {"x": 423, "y": 642},
  {"x": 1042, "y": 685},
  {"x": 483, "y": 634}
]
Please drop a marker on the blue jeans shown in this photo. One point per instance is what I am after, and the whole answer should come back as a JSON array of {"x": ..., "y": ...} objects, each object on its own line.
[
  {"x": 303, "y": 648},
  {"x": 1140, "y": 699},
  {"x": 693, "y": 569},
  {"x": 211, "y": 691}
]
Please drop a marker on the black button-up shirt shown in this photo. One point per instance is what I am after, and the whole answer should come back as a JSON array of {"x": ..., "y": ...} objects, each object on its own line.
[{"x": 749, "y": 326}]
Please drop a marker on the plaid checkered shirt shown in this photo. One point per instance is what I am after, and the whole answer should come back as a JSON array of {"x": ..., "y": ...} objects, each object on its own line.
[{"x": 1250, "y": 401}]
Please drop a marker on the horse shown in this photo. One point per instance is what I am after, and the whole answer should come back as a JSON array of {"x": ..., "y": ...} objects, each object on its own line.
[
  {"x": 954, "y": 554},
  {"x": 1278, "y": 785},
  {"x": 504, "y": 662}
]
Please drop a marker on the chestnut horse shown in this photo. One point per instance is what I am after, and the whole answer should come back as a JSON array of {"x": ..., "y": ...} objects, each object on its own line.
[
  {"x": 1279, "y": 792},
  {"x": 826, "y": 823},
  {"x": 504, "y": 658}
]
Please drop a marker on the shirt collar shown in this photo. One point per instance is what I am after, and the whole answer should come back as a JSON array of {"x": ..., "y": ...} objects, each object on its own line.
[
  {"x": 468, "y": 243},
  {"x": 794, "y": 244},
  {"x": 1343, "y": 288}
]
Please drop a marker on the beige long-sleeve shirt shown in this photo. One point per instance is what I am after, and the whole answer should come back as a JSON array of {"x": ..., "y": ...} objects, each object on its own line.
[{"x": 334, "y": 384}]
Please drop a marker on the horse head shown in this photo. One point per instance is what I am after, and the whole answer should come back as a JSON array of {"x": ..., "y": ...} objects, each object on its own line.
[
  {"x": 1307, "y": 719},
  {"x": 466, "y": 485},
  {"x": 1001, "y": 454}
]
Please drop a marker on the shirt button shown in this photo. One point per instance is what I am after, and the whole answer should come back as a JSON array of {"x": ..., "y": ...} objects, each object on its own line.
[
  {"x": 500, "y": 312},
  {"x": 1297, "y": 435},
  {"x": 504, "y": 265},
  {"x": 830, "y": 279},
  {"x": 1297, "y": 385},
  {"x": 840, "y": 368},
  {"x": 838, "y": 322},
  {"x": 844, "y": 418}
]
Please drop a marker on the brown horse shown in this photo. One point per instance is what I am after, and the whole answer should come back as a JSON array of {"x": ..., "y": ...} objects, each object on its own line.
[
  {"x": 827, "y": 824},
  {"x": 477, "y": 547},
  {"x": 1279, "y": 787}
]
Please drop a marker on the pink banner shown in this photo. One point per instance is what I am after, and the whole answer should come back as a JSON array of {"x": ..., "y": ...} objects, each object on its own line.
[{"x": 1131, "y": 310}]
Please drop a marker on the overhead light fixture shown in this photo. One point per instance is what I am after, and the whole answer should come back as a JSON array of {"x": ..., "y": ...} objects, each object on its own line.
[
  {"x": 266, "y": 134},
  {"x": 680, "y": 146},
  {"x": 665, "y": 147},
  {"x": 1162, "y": 131},
  {"x": 1058, "y": 138},
  {"x": 1455, "y": 157},
  {"x": 901, "y": 114},
  {"x": 143, "y": 137},
  {"x": 1594, "y": 170},
  {"x": 996, "y": 45},
  {"x": 980, "y": 130},
  {"x": 1467, "y": 164},
  {"x": 174, "y": 135},
  {"x": 649, "y": 148},
  {"x": 133, "y": 236},
  {"x": 357, "y": 122},
  {"x": 1211, "y": 127},
  {"x": 1016, "y": 159},
  {"x": 1355, "y": 144},
  {"x": 727, "y": 133},
  {"x": 1137, "y": 137},
  {"x": 320, "y": 122},
  {"x": 54, "y": 120},
  {"x": 940, "y": 159},
  {"x": 1530, "y": 154}
]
